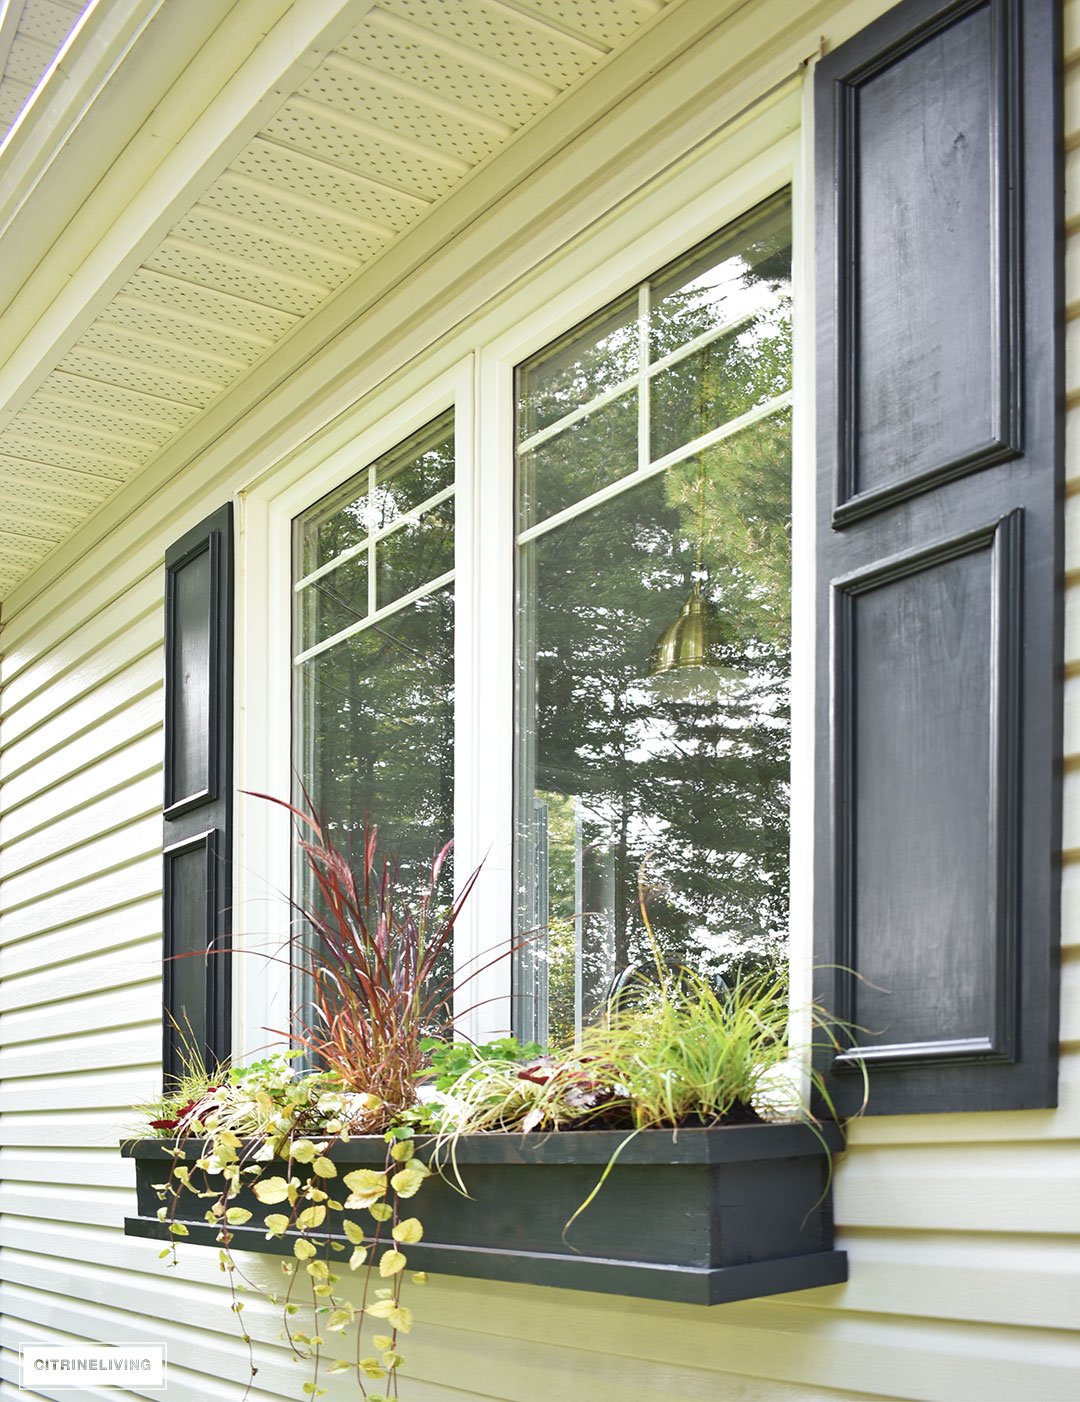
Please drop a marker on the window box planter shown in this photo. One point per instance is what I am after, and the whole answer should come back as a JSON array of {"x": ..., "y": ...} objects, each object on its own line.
[{"x": 704, "y": 1217}]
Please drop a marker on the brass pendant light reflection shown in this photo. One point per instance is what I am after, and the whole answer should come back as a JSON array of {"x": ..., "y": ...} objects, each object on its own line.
[
  {"x": 695, "y": 639},
  {"x": 693, "y": 646}
]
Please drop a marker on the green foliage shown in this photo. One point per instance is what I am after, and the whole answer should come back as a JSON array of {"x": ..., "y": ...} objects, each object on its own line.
[{"x": 269, "y": 1130}]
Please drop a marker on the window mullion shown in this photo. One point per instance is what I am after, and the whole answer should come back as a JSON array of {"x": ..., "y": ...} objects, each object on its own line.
[{"x": 643, "y": 446}]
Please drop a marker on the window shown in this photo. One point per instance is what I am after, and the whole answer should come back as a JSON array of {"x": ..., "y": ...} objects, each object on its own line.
[
  {"x": 373, "y": 625},
  {"x": 654, "y": 507},
  {"x": 926, "y": 590},
  {"x": 653, "y": 470}
]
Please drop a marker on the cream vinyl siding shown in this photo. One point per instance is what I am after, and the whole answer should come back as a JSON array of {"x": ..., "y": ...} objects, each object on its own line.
[{"x": 963, "y": 1230}]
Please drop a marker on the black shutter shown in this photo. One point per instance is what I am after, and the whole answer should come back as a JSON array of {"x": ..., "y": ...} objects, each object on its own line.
[
  {"x": 939, "y": 366},
  {"x": 197, "y": 876}
]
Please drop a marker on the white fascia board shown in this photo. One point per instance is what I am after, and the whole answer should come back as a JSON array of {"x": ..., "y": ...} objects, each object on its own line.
[
  {"x": 249, "y": 60},
  {"x": 88, "y": 59},
  {"x": 84, "y": 63}
]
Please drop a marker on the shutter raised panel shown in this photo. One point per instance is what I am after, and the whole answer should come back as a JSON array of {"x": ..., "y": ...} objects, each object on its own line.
[
  {"x": 197, "y": 843},
  {"x": 939, "y": 408}
]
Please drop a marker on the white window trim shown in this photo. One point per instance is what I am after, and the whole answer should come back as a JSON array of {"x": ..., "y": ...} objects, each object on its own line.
[{"x": 472, "y": 370}]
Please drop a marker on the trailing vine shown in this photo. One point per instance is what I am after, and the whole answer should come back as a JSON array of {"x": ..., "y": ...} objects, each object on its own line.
[{"x": 269, "y": 1134}]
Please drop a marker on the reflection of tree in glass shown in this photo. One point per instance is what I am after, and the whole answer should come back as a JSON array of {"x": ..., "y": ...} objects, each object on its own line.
[{"x": 381, "y": 732}]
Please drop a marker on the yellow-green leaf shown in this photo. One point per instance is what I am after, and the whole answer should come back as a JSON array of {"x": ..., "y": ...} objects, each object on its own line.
[
  {"x": 319, "y": 1269},
  {"x": 302, "y": 1151},
  {"x": 324, "y": 1167},
  {"x": 357, "y": 1259},
  {"x": 276, "y": 1223},
  {"x": 178, "y": 1229},
  {"x": 401, "y": 1318},
  {"x": 365, "y": 1187},
  {"x": 382, "y": 1341},
  {"x": 271, "y": 1190},
  {"x": 408, "y": 1231},
  {"x": 381, "y": 1211},
  {"x": 354, "y": 1232},
  {"x": 311, "y": 1217},
  {"x": 391, "y": 1262},
  {"x": 237, "y": 1216},
  {"x": 372, "y": 1368},
  {"x": 408, "y": 1181},
  {"x": 419, "y": 1277},
  {"x": 403, "y": 1151},
  {"x": 337, "y": 1320},
  {"x": 381, "y": 1309},
  {"x": 392, "y": 1360},
  {"x": 303, "y": 1250},
  {"x": 340, "y": 1365}
]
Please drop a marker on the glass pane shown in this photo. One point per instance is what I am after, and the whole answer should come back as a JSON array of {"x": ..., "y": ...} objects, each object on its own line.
[
  {"x": 376, "y": 713},
  {"x": 415, "y": 554},
  {"x": 739, "y": 273},
  {"x": 335, "y": 525},
  {"x": 630, "y": 768},
  {"x": 415, "y": 472},
  {"x": 335, "y": 601},
  {"x": 595, "y": 450},
  {"x": 597, "y": 356},
  {"x": 724, "y": 379}
]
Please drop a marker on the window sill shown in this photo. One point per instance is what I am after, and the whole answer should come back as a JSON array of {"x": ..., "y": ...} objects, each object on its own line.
[{"x": 707, "y": 1217}]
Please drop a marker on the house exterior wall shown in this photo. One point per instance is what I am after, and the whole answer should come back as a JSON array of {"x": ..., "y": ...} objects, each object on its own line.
[{"x": 963, "y": 1230}]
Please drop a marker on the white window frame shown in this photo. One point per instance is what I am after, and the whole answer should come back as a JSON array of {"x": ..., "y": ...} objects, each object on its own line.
[{"x": 472, "y": 370}]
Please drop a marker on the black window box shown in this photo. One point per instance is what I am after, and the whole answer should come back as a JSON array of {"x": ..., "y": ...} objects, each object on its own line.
[{"x": 705, "y": 1217}]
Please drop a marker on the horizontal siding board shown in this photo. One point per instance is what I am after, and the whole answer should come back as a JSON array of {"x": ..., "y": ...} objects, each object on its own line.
[
  {"x": 119, "y": 1090},
  {"x": 96, "y": 934},
  {"x": 96, "y": 786},
  {"x": 1011, "y": 1280},
  {"x": 1072, "y": 98},
  {"x": 134, "y": 637},
  {"x": 119, "y": 1007},
  {"x": 1070, "y": 905},
  {"x": 1070, "y": 995},
  {"x": 139, "y": 718},
  {"x": 139, "y": 797},
  {"x": 142, "y": 877},
  {"x": 64, "y": 1186},
  {"x": 79, "y": 641},
  {"x": 93, "y": 857},
  {"x": 140, "y": 963},
  {"x": 999, "y": 1189},
  {"x": 139, "y": 677},
  {"x": 132, "y": 1045},
  {"x": 99, "y": 1127}
]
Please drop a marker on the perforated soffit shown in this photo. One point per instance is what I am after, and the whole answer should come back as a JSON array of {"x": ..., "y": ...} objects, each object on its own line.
[{"x": 394, "y": 118}]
